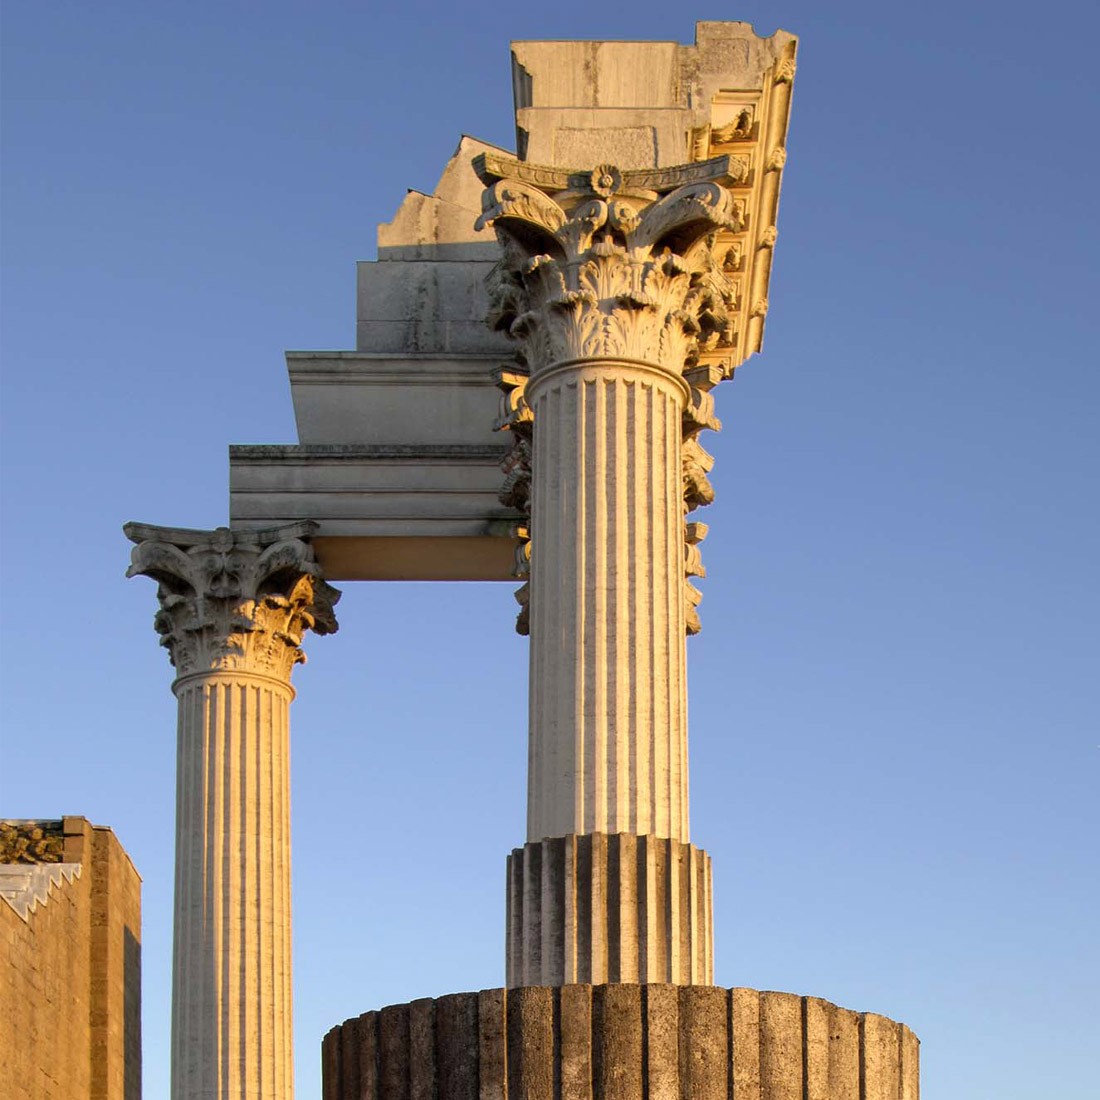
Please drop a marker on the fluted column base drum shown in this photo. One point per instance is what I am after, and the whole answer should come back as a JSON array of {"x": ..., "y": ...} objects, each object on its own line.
[
  {"x": 599, "y": 908},
  {"x": 621, "y": 1042}
]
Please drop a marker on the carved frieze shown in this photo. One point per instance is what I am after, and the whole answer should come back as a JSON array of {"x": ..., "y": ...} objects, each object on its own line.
[{"x": 234, "y": 600}]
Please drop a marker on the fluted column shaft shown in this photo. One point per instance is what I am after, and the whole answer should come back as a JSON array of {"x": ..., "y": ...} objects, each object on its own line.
[
  {"x": 231, "y": 1005},
  {"x": 608, "y": 285},
  {"x": 608, "y": 737},
  {"x": 234, "y": 606}
]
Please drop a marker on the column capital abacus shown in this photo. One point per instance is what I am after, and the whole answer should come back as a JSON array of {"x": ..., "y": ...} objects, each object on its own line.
[{"x": 234, "y": 601}]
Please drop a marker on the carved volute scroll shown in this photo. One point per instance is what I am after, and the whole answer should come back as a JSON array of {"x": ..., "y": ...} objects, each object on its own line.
[
  {"x": 610, "y": 264},
  {"x": 234, "y": 600}
]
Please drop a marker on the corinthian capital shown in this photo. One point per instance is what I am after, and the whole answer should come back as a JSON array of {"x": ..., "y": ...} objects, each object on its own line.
[
  {"x": 610, "y": 264},
  {"x": 234, "y": 600}
]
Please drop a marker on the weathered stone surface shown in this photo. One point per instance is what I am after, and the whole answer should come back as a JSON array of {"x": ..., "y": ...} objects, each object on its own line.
[
  {"x": 425, "y": 294},
  {"x": 641, "y": 100},
  {"x": 439, "y": 226},
  {"x": 457, "y": 1056},
  {"x": 625, "y": 1042}
]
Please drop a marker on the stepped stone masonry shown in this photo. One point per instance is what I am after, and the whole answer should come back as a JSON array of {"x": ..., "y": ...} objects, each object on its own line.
[
  {"x": 70, "y": 963},
  {"x": 234, "y": 607}
]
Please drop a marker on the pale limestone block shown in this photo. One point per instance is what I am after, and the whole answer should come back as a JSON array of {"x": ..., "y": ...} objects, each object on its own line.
[
  {"x": 626, "y": 146},
  {"x": 371, "y": 398},
  {"x": 576, "y": 1044},
  {"x": 595, "y": 74},
  {"x": 440, "y": 226}
]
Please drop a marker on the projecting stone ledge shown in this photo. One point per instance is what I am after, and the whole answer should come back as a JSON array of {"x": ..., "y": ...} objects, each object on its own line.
[
  {"x": 389, "y": 511},
  {"x": 620, "y": 1042}
]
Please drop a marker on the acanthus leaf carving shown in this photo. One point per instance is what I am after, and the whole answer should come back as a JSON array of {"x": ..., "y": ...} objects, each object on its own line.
[
  {"x": 234, "y": 600},
  {"x": 604, "y": 271}
]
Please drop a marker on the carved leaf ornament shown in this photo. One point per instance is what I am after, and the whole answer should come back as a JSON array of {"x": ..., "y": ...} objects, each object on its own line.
[
  {"x": 233, "y": 601},
  {"x": 606, "y": 272}
]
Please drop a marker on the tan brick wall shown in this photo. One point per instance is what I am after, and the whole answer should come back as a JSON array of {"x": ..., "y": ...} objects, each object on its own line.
[{"x": 70, "y": 980}]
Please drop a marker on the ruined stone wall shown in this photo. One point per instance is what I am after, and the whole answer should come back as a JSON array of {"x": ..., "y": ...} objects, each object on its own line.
[
  {"x": 620, "y": 1042},
  {"x": 70, "y": 968}
]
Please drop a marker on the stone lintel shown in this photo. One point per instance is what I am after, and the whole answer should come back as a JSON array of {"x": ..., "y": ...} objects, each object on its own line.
[{"x": 388, "y": 512}]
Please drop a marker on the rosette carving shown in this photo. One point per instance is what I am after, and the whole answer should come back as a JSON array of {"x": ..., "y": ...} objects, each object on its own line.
[{"x": 234, "y": 600}]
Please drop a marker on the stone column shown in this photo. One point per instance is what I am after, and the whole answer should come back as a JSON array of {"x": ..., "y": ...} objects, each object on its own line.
[
  {"x": 609, "y": 287},
  {"x": 234, "y": 606}
]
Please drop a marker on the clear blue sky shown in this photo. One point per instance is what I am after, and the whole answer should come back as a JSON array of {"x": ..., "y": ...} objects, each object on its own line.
[{"x": 895, "y": 735}]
